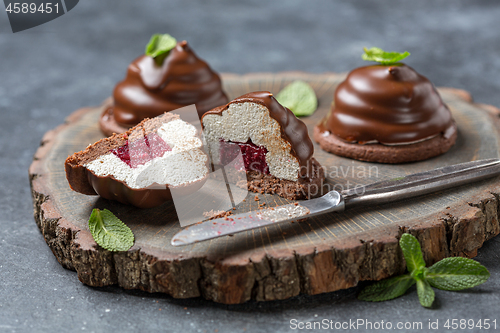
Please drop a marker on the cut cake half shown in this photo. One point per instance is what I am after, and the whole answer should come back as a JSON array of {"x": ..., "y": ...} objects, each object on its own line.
[
  {"x": 275, "y": 146},
  {"x": 140, "y": 166}
]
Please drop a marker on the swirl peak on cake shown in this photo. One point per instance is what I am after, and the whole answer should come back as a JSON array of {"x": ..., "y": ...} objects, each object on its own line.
[
  {"x": 387, "y": 104},
  {"x": 149, "y": 90}
]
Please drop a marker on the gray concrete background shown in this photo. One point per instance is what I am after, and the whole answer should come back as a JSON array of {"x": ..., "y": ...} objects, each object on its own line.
[{"x": 49, "y": 71}]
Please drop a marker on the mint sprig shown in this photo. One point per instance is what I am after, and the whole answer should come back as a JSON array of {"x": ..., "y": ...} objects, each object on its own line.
[
  {"x": 159, "y": 46},
  {"x": 385, "y": 58},
  {"x": 299, "y": 97},
  {"x": 109, "y": 231},
  {"x": 448, "y": 274}
]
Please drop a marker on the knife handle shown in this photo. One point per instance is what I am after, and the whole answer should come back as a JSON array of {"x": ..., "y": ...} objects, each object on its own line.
[{"x": 421, "y": 183}]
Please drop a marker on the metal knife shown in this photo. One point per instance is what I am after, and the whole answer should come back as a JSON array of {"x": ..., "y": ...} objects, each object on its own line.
[{"x": 376, "y": 193}]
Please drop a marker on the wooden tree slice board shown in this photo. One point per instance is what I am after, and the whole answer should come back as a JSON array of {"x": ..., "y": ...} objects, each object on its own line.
[{"x": 321, "y": 254}]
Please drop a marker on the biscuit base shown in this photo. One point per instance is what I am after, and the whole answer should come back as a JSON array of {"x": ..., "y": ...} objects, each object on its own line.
[
  {"x": 303, "y": 188},
  {"x": 380, "y": 153}
]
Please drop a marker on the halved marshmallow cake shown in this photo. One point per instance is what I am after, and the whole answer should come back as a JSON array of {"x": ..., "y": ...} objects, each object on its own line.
[
  {"x": 140, "y": 166},
  {"x": 275, "y": 146}
]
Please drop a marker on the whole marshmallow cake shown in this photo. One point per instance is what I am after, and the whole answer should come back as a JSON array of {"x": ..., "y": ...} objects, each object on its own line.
[
  {"x": 275, "y": 146},
  {"x": 387, "y": 113},
  {"x": 155, "y": 84},
  {"x": 140, "y": 166}
]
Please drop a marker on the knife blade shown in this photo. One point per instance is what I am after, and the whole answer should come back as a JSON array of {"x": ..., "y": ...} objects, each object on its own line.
[{"x": 375, "y": 193}]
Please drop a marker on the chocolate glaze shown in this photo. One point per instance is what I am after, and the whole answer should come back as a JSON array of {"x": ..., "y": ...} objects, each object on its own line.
[
  {"x": 112, "y": 189},
  {"x": 293, "y": 130},
  {"x": 388, "y": 105},
  {"x": 149, "y": 90}
]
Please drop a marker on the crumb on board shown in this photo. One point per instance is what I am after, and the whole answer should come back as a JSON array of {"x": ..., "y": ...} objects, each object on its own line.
[
  {"x": 256, "y": 198},
  {"x": 215, "y": 214}
]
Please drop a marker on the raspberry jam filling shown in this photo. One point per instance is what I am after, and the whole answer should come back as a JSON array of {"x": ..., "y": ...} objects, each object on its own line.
[
  {"x": 141, "y": 151},
  {"x": 254, "y": 157}
]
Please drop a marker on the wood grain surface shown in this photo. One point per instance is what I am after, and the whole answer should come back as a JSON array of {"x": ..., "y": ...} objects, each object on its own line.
[{"x": 321, "y": 254}]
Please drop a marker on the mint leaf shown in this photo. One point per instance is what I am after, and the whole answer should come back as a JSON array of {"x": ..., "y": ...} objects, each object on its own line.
[
  {"x": 159, "y": 46},
  {"x": 425, "y": 293},
  {"x": 299, "y": 97},
  {"x": 456, "y": 273},
  {"x": 387, "y": 289},
  {"x": 109, "y": 232},
  {"x": 412, "y": 253},
  {"x": 385, "y": 58}
]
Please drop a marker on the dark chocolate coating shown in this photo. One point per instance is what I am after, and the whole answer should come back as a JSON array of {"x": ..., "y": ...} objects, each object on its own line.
[
  {"x": 293, "y": 130},
  {"x": 150, "y": 90},
  {"x": 387, "y": 104},
  {"x": 152, "y": 196}
]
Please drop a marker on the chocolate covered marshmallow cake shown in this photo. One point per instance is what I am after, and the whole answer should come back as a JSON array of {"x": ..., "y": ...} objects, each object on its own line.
[
  {"x": 140, "y": 166},
  {"x": 155, "y": 84},
  {"x": 275, "y": 146},
  {"x": 387, "y": 114}
]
